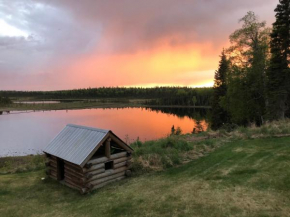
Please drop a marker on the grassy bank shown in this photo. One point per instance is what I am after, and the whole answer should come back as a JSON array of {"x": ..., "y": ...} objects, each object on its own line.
[
  {"x": 159, "y": 155},
  {"x": 241, "y": 178},
  {"x": 241, "y": 173}
]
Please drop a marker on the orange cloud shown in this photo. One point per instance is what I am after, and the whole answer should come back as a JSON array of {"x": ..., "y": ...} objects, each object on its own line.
[{"x": 190, "y": 65}]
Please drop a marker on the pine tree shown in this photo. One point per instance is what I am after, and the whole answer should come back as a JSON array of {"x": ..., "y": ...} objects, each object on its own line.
[
  {"x": 278, "y": 86},
  {"x": 219, "y": 115}
]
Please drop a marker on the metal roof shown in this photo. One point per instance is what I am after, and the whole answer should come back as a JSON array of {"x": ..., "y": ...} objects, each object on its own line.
[{"x": 74, "y": 143}]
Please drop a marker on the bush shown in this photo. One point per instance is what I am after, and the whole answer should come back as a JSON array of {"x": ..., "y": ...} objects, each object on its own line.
[{"x": 160, "y": 154}]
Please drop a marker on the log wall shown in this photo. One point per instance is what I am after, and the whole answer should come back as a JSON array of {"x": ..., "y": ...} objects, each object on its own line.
[
  {"x": 121, "y": 163},
  {"x": 51, "y": 166},
  {"x": 93, "y": 175}
]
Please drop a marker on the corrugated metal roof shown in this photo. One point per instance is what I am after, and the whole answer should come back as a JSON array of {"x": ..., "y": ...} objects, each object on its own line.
[{"x": 74, "y": 143}]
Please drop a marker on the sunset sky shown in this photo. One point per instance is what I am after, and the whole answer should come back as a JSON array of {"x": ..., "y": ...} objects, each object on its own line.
[{"x": 65, "y": 44}]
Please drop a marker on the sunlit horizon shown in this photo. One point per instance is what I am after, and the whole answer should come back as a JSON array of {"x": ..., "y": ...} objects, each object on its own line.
[{"x": 62, "y": 45}]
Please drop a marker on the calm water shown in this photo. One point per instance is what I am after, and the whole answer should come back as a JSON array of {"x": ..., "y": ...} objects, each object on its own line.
[{"x": 29, "y": 133}]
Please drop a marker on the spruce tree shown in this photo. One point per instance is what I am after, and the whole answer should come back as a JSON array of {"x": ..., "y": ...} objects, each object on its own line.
[
  {"x": 278, "y": 86},
  {"x": 219, "y": 115},
  {"x": 247, "y": 80}
]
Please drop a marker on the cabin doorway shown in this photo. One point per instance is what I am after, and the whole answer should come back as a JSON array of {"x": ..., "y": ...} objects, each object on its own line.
[{"x": 60, "y": 169}]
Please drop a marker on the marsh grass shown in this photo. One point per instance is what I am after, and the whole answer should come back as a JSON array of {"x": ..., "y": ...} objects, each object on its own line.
[{"x": 165, "y": 153}]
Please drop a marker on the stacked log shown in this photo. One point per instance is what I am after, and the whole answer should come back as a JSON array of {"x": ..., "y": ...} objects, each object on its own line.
[
  {"x": 74, "y": 176},
  {"x": 51, "y": 165},
  {"x": 121, "y": 162},
  {"x": 93, "y": 175}
]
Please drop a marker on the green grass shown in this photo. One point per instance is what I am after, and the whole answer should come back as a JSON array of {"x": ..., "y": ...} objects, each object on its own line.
[
  {"x": 21, "y": 163},
  {"x": 168, "y": 152},
  {"x": 241, "y": 178}
]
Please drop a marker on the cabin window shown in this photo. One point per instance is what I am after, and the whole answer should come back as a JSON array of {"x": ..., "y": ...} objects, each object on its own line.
[{"x": 109, "y": 165}]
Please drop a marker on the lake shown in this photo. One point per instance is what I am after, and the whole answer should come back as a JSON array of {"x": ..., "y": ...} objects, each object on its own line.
[{"x": 24, "y": 133}]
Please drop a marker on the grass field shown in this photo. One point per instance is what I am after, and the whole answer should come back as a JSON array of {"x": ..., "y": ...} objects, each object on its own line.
[{"x": 242, "y": 177}]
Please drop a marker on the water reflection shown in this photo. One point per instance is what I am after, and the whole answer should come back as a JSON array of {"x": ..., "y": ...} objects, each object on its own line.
[
  {"x": 29, "y": 133},
  {"x": 193, "y": 113}
]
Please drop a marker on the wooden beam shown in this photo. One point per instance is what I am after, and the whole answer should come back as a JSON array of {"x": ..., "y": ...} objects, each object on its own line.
[
  {"x": 95, "y": 172},
  {"x": 71, "y": 170},
  {"x": 98, "y": 160},
  {"x": 124, "y": 163},
  {"x": 107, "y": 173},
  {"x": 69, "y": 164},
  {"x": 74, "y": 180},
  {"x": 99, "y": 181},
  {"x": 118, "y": 155},
  {"x": 105, "y": 159},
  {"x": 108, "y": 148},
  {"x": 95, "y": 167},
  {"x": 119, "y": 160},
  {"x": 69, "y": 174}
]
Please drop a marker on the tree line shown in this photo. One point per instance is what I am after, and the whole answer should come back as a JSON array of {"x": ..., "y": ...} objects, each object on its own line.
[
  {"x": 5, "y": 101},
  {"x": 252, "y": 83},
  {"x": 155, "y": 96}
]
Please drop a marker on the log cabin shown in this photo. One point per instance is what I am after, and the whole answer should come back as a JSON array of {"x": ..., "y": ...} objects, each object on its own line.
[{"x": 86, "y": 158}]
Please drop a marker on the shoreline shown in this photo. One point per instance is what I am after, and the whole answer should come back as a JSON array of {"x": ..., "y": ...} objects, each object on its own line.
[{"x": 85, "y": 105}]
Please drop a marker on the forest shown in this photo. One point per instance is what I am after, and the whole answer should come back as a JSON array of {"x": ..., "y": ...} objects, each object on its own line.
[
  {"x": 252, "y": 83},
  {"x": 153, "y": 96}
]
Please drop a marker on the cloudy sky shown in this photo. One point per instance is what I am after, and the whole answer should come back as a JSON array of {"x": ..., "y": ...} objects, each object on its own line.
[{"x": 64, "y": 44}]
